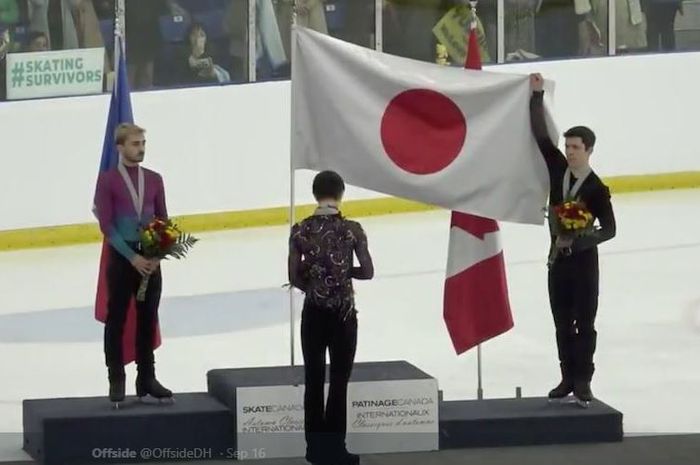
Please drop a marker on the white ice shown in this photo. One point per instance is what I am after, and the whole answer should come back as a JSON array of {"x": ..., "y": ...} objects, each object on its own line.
[{"x": 224, "y": 307}]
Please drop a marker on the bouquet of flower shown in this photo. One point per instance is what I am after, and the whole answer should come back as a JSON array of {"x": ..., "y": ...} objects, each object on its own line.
[
  {"x": 162, "y": 239},
  {"x": 570, "y": 220}
]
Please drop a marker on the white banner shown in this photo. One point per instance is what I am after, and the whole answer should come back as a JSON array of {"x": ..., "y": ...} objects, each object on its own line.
[
  {"x": 55, "y": 74},
  {"x": 270, "y": 422},
  {"x": 393, "y": 416},
  {"x": 382, "y": 416}
]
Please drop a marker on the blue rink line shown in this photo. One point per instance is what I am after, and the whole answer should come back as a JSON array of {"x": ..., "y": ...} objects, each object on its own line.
[
  {"x": 186, "y": 316},
  {"x": 543, "y": 260},
  {"x": 201, "y": 315}
]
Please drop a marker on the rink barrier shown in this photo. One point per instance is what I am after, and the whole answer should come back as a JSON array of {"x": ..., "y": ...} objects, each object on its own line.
[{"x": 73, "y": 234}]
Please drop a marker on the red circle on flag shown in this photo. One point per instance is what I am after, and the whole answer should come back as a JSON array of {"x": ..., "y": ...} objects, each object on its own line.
[{"x": 423, "y": 131}]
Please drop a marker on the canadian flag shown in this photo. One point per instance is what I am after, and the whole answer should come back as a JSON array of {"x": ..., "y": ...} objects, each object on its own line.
[
  {"x": 459, "y": 139},
  {"x": 476, "y": 305}
]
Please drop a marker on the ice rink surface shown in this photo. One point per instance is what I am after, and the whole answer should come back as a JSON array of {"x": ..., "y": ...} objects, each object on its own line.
[{"x": 224, "y": 306}]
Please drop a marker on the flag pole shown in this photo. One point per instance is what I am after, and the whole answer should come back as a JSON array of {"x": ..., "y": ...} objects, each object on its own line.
[
  {"x": 119, "y": 30},
  {"x": 479, "y": 376},
  {"x": 291, "y": 288},
  {"x": 479, "y": 389},
  {"x": 292, "y": 199}
]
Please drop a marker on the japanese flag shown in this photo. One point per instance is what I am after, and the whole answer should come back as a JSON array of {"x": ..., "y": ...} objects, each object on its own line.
[{"x": 459, "y": 139}]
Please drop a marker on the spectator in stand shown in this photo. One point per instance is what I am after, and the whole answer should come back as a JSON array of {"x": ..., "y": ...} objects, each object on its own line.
[
  {"x": 592, "y": 27},
  {"x": 270, "y": 52},
  {"x": 408, "y": 27},
  {"x": 55, "y": 19},
  {"x": 661, "y": 18},
  {"x": 67, "y": 24},
  {"x": 235, "y": 26},
  {"x": 37, "y": 42},
  {"x": 630, "y": 27},
  {"x": 556, "y": 29},
  {"x": 87, "y": 25},
  {"x": 9, "y": 12},
  {"x": 4, "y": 48},
  {"x": 312, "y": 14},
  {"x": 357, "y": 18},
  {"x": 200, "y": 66},
  {"x": 143, "y": 40}
]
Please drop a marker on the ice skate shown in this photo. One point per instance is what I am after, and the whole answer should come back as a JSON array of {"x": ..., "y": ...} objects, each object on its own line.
[
  {"x": 561, "y": 393},
  {"x": 148, "y": 385},
  {"x": 582, "y": 403},
  {"x": 117, "y": 392},
  {"x": 338, "y": 453},
  {"x": 117, "y": 387},
  {"x": 346, "y": 458},
  {"x": 151, "y": 387},
  {"x": 583, "y": 394}
]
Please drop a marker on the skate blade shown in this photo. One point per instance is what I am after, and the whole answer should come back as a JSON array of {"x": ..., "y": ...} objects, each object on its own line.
[
  {"x": 561, "y": 400},
  {"x": 117, "y": 405},
  {"x": 150, "y": 400},
  {"x": 570, "y": 400},
  {"x": 583, "y": 403}
]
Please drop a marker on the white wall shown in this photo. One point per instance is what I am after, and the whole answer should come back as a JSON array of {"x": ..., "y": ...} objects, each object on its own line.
[
  {"x": 226, "y": 148},
  {"x": 644, "y": 109}
]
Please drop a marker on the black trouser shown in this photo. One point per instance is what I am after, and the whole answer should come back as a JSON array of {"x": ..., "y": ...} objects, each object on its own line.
[
  {"x": 323, "y": 329},
  {"x": 556, "y": 30},
  {"x": 661, "y": 16},
  {"x": 573, "y": 296},
  {"x": 123, "y": 282}
]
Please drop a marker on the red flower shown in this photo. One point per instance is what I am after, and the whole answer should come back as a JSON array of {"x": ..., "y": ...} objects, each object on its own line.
[
  {"x": 166, "y": 242},
  {"x": 571, "y": 210},
  {"x": 159, "y": 225}
]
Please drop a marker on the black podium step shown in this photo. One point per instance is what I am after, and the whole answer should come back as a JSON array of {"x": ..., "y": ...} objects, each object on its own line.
[
  {"x": 258, "y": 412},
  {"x": 528, "y": 421},
  {"x": 88, "y": 430}
]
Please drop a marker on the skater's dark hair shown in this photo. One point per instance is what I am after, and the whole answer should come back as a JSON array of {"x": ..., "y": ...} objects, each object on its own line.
[
  {"x": 585, "y": 133},
  {"x": 328, "y": 185}
]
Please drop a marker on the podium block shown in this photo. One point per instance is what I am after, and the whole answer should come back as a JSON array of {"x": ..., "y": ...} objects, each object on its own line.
[
  {"x": 528, "y": 421},
  {"x": 88, "y": 430},
  {"x": 255, "y": 413},
  {"x": 392, "y": 407}
]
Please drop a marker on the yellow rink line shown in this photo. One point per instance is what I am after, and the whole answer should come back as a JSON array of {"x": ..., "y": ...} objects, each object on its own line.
[{"x": 54, "y": 236}]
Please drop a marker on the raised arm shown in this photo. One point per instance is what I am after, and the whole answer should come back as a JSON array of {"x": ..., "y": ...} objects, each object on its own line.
[{"x": 556, "y": 162}]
